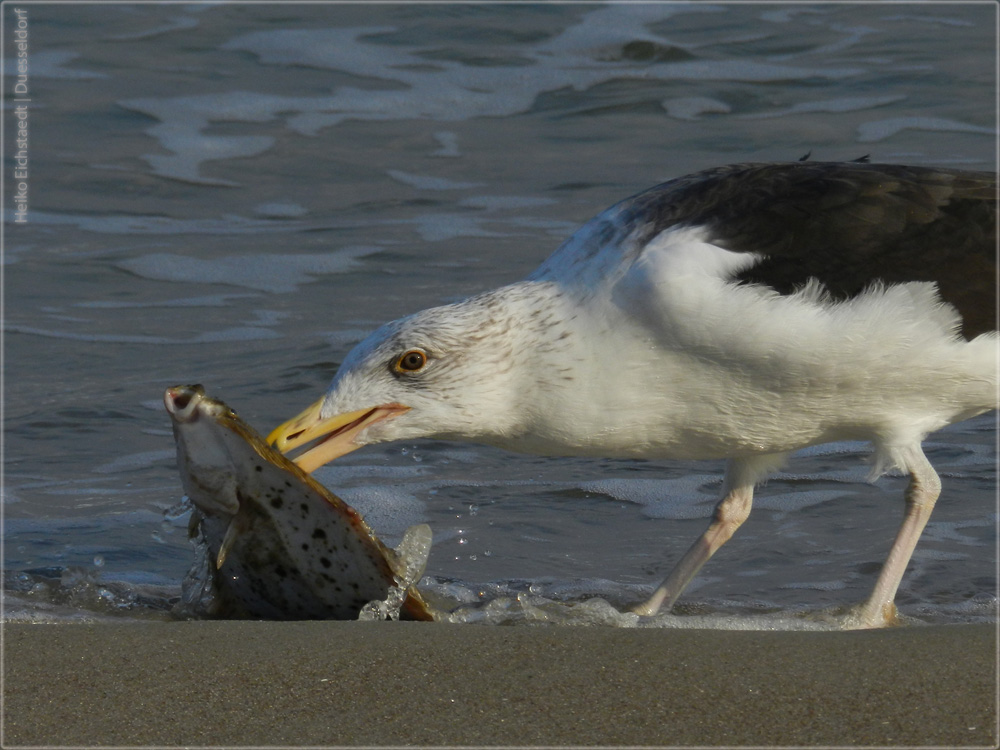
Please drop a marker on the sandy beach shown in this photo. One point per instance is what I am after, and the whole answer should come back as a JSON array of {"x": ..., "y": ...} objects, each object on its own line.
[{"x": 345, "y": 683}]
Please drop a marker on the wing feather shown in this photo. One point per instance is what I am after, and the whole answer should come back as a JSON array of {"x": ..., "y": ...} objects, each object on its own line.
[{"x": 845, "y": 225}]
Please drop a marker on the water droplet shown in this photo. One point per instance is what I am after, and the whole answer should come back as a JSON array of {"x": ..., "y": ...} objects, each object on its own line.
[
  {"x": 177, "y": 512},
  {"x": 473, "y": 509},
  {"x": 98, "y": 561}
]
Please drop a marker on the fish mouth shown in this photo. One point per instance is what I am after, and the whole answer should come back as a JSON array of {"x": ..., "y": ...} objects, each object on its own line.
[
  {"x": 182, "y": 402},
  {"x": 339, "y": 432},
  {"x": 186, "y": 403}
]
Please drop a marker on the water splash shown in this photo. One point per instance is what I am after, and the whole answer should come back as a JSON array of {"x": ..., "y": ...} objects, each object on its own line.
[
  {"x": 411, "y": 557},
  {"x": 79, "y": 594}
]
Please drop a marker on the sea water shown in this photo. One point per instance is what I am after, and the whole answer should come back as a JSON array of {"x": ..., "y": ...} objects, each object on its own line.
[{"x": 236, "y": 194}]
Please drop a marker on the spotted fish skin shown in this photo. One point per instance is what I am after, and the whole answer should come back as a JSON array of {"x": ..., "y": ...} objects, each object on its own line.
[{"x": 284, "y": 547}]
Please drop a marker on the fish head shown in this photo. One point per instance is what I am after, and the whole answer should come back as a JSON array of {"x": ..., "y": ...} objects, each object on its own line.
[{"x": 201, "y": 429}]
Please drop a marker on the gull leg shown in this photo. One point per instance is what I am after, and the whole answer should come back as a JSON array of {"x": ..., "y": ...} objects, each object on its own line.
[
  {"x": 921, "y": 494},
  {"x": 732, "y": 510}
]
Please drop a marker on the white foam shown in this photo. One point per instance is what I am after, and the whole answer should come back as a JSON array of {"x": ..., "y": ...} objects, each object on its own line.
[
  {"x": 502, "y": 202},
  {"x": 267, "y": 272},
  {"x": 853, "y": 35},
  {"x": 427, "y": 182},
  {"x": 785, "y": 15},
  {"x": 239, "y": 333},
  {"x": 500, "y": 604},
  {"x": 610, "y": 27},
  {"x": 879, "y": 130},
  {"x": 138, "y": 224},
  {"x": 676, "y": 499},
  {"x": 211, "y": 300},
  {"x": 49, "y": 64},
  {"x": 134, "y": 461},
  {"x": 952, "y": 531},
  {"x": 173, "y": 24},
  {"x": 349, "y": 336},
  {"x": 939, "y": 20},
  {"x": 182, "y": 120},
  {"x": 449, "y": 144},
  {"x": 692, "y": 107},
  {"x": 447, "y": 226},
  {"x": 103, "y": 338},
  {"x": 980, "y": 608},
  {"x": 745, "y": 71},
  {"x": 332, "y": 48},
  {"x": 845, "y": 104},
  {"x": 580, "y": 57},
  {"x": 794, "y": 501}
]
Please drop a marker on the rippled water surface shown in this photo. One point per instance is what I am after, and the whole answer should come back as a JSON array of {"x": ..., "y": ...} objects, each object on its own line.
[{"x": 235, "y": 194}]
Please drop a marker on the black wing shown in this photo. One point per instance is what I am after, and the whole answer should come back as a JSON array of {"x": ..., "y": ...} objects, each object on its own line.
[{"x": 846, "y": 225}]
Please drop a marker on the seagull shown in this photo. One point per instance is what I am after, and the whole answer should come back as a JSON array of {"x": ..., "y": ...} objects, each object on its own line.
[{"x": 743, "y": 312}]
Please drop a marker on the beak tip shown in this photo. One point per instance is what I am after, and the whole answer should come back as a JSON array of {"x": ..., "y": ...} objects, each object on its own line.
[
  {"x": 283, "y": 437},
  {"x": 340, "y": 432}
]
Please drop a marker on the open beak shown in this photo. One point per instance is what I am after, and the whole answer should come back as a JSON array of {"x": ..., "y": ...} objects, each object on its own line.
[{"x": 340, "y": 431}]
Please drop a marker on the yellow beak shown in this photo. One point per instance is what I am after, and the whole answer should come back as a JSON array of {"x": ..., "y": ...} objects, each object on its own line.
[{"x": 340, "y": 430}]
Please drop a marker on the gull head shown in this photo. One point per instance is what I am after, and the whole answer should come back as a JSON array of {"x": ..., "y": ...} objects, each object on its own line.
[{"x": 446, "y": 372}]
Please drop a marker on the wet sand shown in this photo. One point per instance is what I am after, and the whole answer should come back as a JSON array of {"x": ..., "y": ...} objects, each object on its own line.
[{"x": 335, "y": 683}]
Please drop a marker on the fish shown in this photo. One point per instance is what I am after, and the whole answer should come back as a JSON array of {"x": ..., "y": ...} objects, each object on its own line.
[{"x": 281, "y": 545}]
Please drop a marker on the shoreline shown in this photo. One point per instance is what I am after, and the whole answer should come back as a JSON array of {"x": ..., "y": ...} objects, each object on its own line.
[{"x": 249, "y": 683}]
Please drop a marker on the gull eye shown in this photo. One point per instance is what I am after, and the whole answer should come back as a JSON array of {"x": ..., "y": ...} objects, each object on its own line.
[{"x": 411, "y": 361}]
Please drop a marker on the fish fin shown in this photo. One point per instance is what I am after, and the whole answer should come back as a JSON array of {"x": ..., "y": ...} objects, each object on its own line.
[
  {"x": 227, "y": 541},
  {"x": 194, "y": 520},
  {"x": 410, "y": 558}
]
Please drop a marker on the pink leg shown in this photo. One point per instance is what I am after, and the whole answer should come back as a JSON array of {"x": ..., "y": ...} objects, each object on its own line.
[
  {"x": 921, "y": 494},
  {"x": 732, "y": 510}
]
